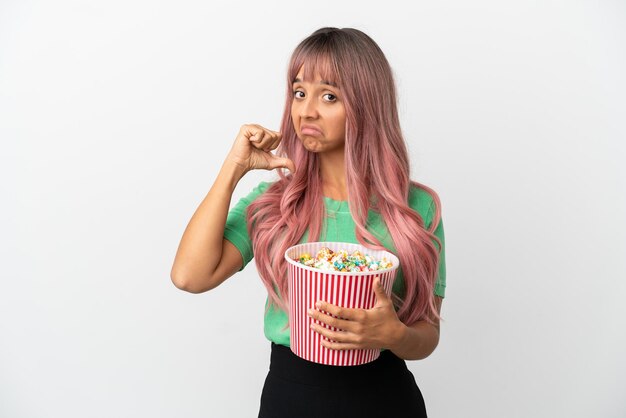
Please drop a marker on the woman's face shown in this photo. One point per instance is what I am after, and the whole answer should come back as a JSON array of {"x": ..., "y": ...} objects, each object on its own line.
[{"x": 318, "y": 114}]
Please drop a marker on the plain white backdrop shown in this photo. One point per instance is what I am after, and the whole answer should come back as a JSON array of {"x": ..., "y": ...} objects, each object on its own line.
[{"x": 115, "y": 117}]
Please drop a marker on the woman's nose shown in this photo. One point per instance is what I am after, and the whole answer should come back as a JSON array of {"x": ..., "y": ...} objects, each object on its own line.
[{"x": 308, "y": 108}]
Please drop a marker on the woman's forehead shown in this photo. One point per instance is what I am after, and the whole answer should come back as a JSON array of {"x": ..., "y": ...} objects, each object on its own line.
[{"x": 315, "y": 72}]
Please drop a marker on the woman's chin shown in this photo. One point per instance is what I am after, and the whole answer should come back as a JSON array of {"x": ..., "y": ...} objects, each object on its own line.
[{"x": 312, "y": 145}]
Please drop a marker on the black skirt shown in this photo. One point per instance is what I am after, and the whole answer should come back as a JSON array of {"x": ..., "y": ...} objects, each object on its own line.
[{"x": 298, "y": 388}]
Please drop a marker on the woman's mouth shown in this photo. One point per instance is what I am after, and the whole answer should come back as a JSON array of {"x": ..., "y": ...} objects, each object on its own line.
[{"x": 309, "y": 130}]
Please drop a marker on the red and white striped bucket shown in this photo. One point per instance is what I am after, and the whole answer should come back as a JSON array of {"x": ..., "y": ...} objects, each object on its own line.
[{"x": 307, "y": 285}]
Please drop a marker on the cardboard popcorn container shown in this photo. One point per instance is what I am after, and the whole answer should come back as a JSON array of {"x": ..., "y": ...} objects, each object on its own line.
[{"x": 354, "y": 290}]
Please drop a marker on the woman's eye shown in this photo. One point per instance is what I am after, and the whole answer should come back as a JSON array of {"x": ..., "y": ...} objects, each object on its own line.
[{"x": 328, "y": 96}]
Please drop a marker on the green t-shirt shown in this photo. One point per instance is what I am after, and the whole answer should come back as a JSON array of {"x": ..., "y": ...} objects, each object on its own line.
[{"x": 338, "y": 227}]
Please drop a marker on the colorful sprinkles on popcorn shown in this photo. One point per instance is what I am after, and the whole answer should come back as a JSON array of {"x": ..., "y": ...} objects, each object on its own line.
[{"x": 327, "y": 259}]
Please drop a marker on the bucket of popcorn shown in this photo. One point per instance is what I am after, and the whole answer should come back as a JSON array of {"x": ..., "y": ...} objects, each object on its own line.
[{"x": 339, "y": 273}]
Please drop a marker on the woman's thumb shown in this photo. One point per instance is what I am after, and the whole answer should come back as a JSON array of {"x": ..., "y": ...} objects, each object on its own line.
[
  {"x": 278, "y": 162},
  {"x": 378, "y": 286}
]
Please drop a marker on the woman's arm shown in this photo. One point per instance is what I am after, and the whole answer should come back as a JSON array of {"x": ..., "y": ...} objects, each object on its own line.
[
  {"x": 200, "y": 249},
  {"x": 204, "y": 258},
  {"x": 375, "y": 328},
  {"x": 418, "y": 341}
]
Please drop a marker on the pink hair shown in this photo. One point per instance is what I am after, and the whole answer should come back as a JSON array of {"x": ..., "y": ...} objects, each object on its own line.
[{"x": 377, "y": 166}]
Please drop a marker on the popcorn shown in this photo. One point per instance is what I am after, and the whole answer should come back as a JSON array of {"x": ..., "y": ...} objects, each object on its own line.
[{"x": 329, "y": 260}]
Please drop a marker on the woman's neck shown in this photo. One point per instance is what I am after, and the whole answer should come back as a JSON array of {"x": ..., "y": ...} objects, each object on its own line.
[{"x": 334, "y": 175}]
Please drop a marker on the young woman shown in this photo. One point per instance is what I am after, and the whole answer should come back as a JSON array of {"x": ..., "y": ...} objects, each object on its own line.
[{"x": 348, "y": 180}]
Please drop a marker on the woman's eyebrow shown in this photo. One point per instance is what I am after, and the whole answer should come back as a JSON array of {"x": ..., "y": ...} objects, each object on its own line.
[{"x": 328, "y": 83}]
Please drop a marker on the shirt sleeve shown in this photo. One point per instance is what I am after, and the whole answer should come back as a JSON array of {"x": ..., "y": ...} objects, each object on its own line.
[
  {"x": 440, "y": 284},
  {"x": 236, "y": 228}
]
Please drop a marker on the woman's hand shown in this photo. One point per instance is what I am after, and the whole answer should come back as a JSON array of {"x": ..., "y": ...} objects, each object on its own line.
[
  {"x": 378, "y": 327},
  {"x": 252, "y": 147}
]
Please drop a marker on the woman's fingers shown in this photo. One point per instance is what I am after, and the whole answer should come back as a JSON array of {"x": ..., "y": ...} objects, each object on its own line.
[
  {"x": 258, "y": 136},
  {"x": 266, "y": 139},
  {"x": 253, "y": 149},
  {"x": 274, "y": 144}
]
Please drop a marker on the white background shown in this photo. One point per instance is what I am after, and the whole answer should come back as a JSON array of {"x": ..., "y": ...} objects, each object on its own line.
[{"x": 115, "y": 117}]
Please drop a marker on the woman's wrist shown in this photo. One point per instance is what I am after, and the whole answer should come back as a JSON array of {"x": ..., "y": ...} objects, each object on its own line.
[
  {"x": 398, "y": 336},
  {"x": 415, "y": 342},
  {"x": 232, "y": 172}
]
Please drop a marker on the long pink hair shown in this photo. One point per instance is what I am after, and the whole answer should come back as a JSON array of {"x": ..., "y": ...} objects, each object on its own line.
[{"x": 377, "y": 174}]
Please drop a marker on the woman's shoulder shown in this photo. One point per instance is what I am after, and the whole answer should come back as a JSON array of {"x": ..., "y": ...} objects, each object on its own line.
[
  {"x": 262, "y": 186},
  {"x": 421, "y": 198},
  {"x": 255, "y": 192}
]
